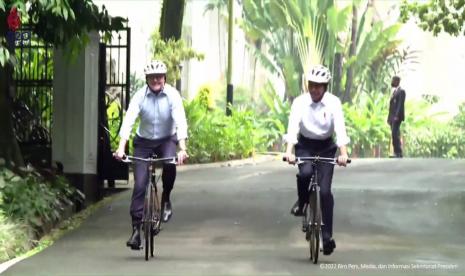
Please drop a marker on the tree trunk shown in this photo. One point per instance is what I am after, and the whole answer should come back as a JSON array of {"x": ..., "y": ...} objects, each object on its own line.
[
  {"x": 172, "y": 14},
  {"x": 352, "y": 50},
  {"x": 9, "y": 148},
  {"x": 337, "y": 75}
]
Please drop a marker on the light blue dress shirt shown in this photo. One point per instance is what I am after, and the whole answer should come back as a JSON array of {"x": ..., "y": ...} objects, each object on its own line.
[{"x": 161, "y": 115}]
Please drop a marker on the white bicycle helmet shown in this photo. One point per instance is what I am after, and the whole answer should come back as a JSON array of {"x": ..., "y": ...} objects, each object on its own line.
[
  {"x": 319, "y": 74},
  {"x": 155, "y": 67}
]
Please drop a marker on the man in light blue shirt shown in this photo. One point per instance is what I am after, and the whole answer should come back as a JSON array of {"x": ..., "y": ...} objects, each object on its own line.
[{"x": 162, "y": 127}]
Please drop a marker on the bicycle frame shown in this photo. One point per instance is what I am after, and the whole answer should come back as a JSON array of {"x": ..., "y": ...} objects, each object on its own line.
[
  {"x": 312, "y": 221},
  {"x": 151, "y": 218}
]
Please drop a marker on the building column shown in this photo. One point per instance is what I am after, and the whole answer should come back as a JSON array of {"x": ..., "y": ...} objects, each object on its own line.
[{"x": 75, "y": 117}]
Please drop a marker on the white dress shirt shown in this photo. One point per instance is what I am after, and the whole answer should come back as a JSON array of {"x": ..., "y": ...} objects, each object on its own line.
[
  {"x": 317, "y": 120},
  {"x": 161, "y": 115}
]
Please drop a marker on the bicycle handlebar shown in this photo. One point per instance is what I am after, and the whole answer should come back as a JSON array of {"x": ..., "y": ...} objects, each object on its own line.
[
  {"x": 317, "y": 158},
  {"x": 129, "y": 159}
]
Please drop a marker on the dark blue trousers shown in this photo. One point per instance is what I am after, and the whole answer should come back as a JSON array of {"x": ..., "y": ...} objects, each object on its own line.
[
  {"x": 145, "y": 148},
  {"x": 395, "y": 133},
  {"x": 323, "y": 148}
]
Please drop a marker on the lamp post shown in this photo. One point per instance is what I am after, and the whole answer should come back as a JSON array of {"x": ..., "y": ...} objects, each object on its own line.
[{"x": 229, "y": 87}]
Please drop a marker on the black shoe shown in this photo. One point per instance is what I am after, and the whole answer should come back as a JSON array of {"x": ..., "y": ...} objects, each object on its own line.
[
  {"x": 296, "y": 210},
  {"x": 166, "y": 211},
  {"x": 329, "y": 246},
  {"x": 134, "y": 240}
]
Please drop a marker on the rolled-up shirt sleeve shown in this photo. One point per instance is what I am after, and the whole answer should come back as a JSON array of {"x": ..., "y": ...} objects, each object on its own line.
[
  {"x": 339, "y": 126},
  {"x": 131, "y": 115},
  {"x": 179, "y": 117},
  {"x": 293, "y": 124}
]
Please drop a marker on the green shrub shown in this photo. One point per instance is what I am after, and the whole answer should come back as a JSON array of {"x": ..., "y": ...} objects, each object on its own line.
[
  {"x": 274, "y": 119},
  {"x": 213, "y": 136},
  {"x": 439, "y": 140},
  {"x": 34, "y": 200},
  {"x": 367, "y": 127},
  {"x": 14, "y": 238}
]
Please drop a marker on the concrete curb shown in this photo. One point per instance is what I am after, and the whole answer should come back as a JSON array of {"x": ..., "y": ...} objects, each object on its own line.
[
  {"x": 4, "y": 266},
  {"x": 231, "y": 163}
]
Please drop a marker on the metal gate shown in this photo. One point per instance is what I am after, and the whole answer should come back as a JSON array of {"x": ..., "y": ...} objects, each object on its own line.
[
  {"x": 32, "y": 99},
  {"x": 114, "y": 94}
]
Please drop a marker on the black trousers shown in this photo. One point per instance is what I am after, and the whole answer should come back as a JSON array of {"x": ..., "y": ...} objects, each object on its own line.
[
  {"x": 395, "y": 132},
  {"x": 145, "y": 148},
  {"x": 324, "y": 148}
]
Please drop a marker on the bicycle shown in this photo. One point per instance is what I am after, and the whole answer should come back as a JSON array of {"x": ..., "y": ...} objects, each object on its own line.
[
  {"x": 151, "y": 216},
  {"x": 312, "y": 221}
]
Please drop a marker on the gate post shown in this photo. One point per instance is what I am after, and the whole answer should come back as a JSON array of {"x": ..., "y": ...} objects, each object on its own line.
[{"x": 75, "y": 105}]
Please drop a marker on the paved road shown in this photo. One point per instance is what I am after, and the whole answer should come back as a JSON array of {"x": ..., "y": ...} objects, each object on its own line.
[{"x": 392, "y": 217}]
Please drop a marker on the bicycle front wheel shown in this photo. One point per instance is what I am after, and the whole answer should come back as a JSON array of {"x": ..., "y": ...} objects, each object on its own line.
[
  {"x": 314, "y": 218},
  {"x": 148, "y": 212},
  {"x": 154, "y": 221}
]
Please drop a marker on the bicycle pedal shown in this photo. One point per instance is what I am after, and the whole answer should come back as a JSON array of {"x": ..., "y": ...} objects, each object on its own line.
[{"x": 304, "y": 228}]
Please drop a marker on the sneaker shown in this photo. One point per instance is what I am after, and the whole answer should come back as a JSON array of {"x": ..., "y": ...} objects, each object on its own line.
[
  {"x": 134, "y": 240},
  {"x": 329, "y": 246},
  {"x": 296, "y": 210},
  {"x": 167, "y": 211}
]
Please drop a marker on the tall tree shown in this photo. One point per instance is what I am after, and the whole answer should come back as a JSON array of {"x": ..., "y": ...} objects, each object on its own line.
[
  {"x": 172, "y": 14},
  {"x": 436, "y": 16},
  {"x": 63, "y": 23}
]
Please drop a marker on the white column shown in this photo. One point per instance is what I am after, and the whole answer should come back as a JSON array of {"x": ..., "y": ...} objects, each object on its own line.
[{"x": 75, "y": 113}]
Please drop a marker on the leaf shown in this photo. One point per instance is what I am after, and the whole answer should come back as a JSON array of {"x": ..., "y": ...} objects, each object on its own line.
[{"x": 4, "y": 55}]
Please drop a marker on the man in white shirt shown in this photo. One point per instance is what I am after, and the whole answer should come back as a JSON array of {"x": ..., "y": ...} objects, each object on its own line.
[
  {"x": 314, "y": 118},
  {"x": 162, "y": 127}
]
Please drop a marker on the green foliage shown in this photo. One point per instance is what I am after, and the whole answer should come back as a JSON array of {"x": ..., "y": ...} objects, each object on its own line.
[
  {"x": 436, "y": 16},
  {"x": 172, "y": 53},
  {"x": 242, "y": 96},
  {"x": 136, "y": 83},
  {"x": 422, "y": 133},
  {"x": 56, "y": 22},
  {"x": 114, "y": 124},
  {"x": 213, "y": 136},
  {"x": 298, "y": 33},
  {"x": 205, "y": 97},
  {"x": 270, "y": 23},
  {"x": 274, "y": 121},
  {"x": 14, "y": 238},
  {"x": 367, "y": 127},
  {"x": 459, "y": 119},
  {"x": 426, "y": 136},
  {"x": 33, "y": 199},
  {"x": 439, "y": 140}
]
